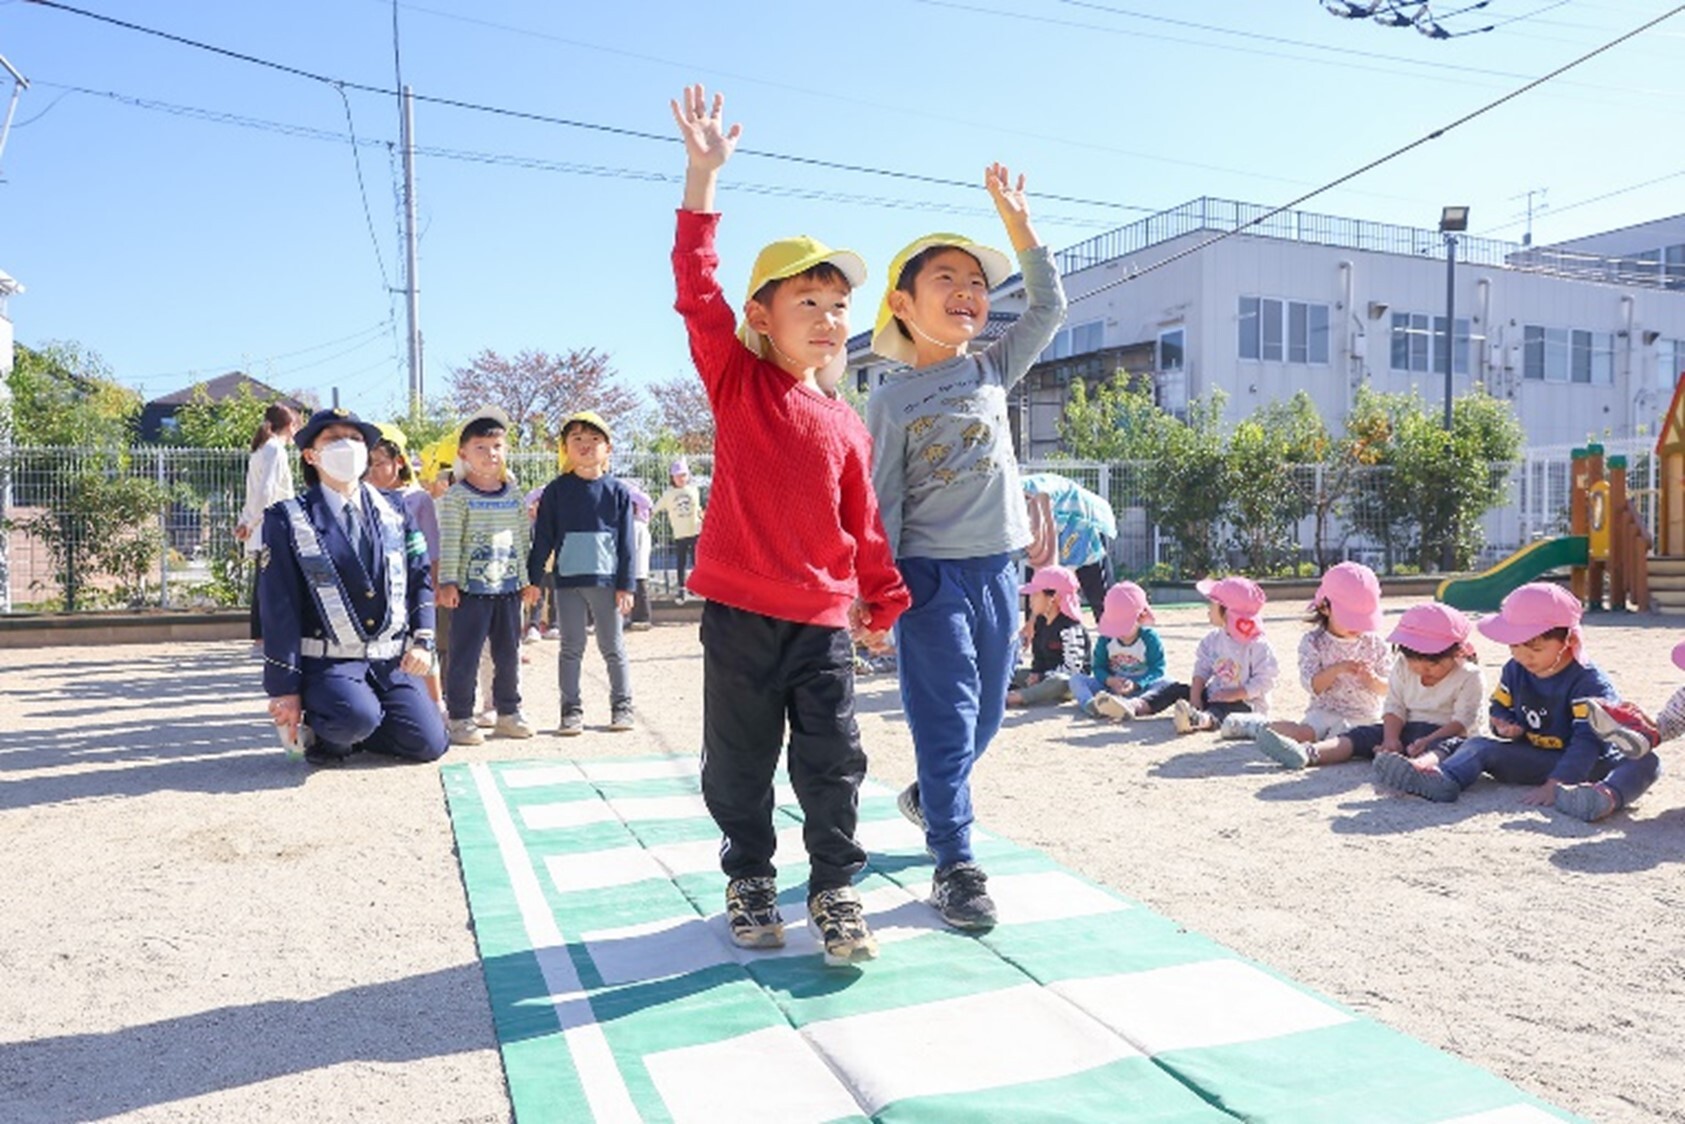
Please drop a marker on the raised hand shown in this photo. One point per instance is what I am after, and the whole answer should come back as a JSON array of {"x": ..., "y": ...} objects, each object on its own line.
[
  {"x": 1014, "y": 208},
  {"x": 708, "y": 143}
]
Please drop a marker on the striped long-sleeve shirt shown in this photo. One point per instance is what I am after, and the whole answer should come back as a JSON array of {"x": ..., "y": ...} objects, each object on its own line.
[{"x": 484, "y": 538}]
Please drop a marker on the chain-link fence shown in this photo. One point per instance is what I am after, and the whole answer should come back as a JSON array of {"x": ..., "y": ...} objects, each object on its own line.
[{"x": 88, "y": 529}]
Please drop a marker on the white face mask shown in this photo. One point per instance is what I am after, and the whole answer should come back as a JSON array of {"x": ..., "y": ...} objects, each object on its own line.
[{"x": 344, "y": 459}]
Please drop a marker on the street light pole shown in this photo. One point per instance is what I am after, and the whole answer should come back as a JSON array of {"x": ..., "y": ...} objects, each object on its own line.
[{"x": 1452, "y": 221}]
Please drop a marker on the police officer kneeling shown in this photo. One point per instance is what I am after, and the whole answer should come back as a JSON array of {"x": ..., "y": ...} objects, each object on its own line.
[{"x": 346, "y": 582}]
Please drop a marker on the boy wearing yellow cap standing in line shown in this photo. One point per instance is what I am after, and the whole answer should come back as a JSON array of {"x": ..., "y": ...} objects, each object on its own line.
[
  {"x": 792, "y": 558},
  {"x": 954, "y": 510}
]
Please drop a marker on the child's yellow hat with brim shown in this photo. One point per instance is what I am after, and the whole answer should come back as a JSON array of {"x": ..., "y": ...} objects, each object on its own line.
[
  {"x": 579, "y": 417},
  {"x": 887, "y": 339},
  {"x": 789, "y": 257}
]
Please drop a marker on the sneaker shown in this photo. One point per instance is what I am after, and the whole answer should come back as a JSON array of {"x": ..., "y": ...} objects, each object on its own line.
[
  {"x": 1191, "y": 721},
  {"x": 908, "y": 802},
  {"x": 751, "y": 910},
  {"x": 621, "y": 720},
  {"x": 639, "y": 626},
  {"x": 572, "y": 724},
  {"x": 1588, "y": 802},
  {"x": 1241, "y": 726},
  {"x": 532, "y": 635},
  {"x": 1398, "y": 771},
  {"x": 486, "y": 719},
  {"x": 1107, "y": 705},
  {"x": 552, "y": 633},
  {"x": 1623, "y": 726},
  {"x": 1282, "y": 749},
  {"x": 839, "y": 921},
  {"x": 513, "y": 726},
  {"x": 466, "y": 731},
  {"x": 960, "y": 894}
]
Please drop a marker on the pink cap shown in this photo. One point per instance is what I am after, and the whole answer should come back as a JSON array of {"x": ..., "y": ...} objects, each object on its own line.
[
  {"x": 1060, "y": 582},
  {"x": 1679, "y": 655},
  {"x": 1242, "y": 598},
  {"x": 1535, "y": 608},
  {"x": 1125, "y": 611},
  {"x": 1353, "y": 594},
  {"x": 1430, "y": 628}
]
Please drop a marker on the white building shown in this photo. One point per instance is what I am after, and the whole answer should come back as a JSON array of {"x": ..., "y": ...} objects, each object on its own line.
[
  {"x": 1587, "y": 338},
  {"x": 8, "y": 286}
]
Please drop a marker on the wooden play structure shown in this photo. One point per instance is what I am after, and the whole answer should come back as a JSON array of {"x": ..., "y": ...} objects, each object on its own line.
[
  {"x": 1617, "y": 545},
  {"x": 1667, "y": 565}
]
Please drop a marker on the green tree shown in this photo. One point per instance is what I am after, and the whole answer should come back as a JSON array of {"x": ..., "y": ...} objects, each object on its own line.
[
  {"x": 64, "y": 395},
  {"x": 228, "y": 424},
  {"x": 1271, "y": 468}
]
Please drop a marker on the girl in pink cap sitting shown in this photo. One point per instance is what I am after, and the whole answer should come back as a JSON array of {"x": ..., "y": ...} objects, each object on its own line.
[
  {"x": 1343, "y": 661},
  {"x": 1540, "y": 715},
  {"x": 1434, "y": 692},
  {"x": 1128, "y": 679},
  {"x": 1234, "y": 666},
  {"x": 1057, "y": 639}
]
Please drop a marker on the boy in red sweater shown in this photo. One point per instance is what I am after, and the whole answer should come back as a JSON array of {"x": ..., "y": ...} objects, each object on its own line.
[{"x": 792, "y": 561}]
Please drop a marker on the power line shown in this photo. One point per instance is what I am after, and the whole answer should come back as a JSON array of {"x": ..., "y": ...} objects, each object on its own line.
[
  {"x": 246, "y": 362},
  {"x": 1555, "y": 210},
  {"x": 1395, "y": 153},
  {"x": 363, "y": 192},
  {"x": 548, "y": 119}
]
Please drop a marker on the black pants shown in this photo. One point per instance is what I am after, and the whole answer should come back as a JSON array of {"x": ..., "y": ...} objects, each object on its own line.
[
  {"x": 760, "y": 676},
  {"x": 684, "y": 551},
  {"x": 475, "y": 621},
  {"x": 640, "y": 602},
  {"x": 1095, "y": 578},
  {"x": 257, "y": 570}
]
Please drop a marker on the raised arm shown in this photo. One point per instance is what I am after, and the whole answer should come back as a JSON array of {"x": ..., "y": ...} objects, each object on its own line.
[
  {"x": 708, "y": 144},
  {"x": 1023, "y": 342}
]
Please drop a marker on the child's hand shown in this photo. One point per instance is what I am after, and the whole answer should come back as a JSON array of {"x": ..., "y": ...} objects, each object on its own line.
[
  {"x": 1506, "y": 729},
  {"x": 875, "y": 641},
  {"x": 1010, "y": 202},
  {"x": 1417, "y": 747},
  {"x": 447, "y": 597},
  {"x": 1115, "y": 684},
  {"x": 1389, "y": 745},
  {"x": 622, "y": 601},
  {"x": 707, "y": 142},
  {"x": 1540, "y": 797},
  {"x": 530, "y": 595}
]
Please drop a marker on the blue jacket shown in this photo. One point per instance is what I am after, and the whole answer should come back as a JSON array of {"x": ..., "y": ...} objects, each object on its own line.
[
  {"x": 1552, "y": 717},
  {"x": 288, "y": 609},
  {"x": 587, "y": 526}
]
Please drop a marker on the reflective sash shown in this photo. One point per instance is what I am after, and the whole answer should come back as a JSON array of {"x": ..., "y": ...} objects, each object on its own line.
[{"x": 332, "y": 601}]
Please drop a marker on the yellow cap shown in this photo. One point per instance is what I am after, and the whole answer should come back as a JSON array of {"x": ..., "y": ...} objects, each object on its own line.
[
  {"x": 395, "y": 435},
  {"x": 789, "y": 257},
  {"x": 887, "y": 339},
  {"x": 436, "y": 458},
  {"x": 589, "y": 418}
]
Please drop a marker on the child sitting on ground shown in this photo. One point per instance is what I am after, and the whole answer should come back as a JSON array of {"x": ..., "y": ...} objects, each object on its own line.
[
  {"x": 1343, "y": 662},
  {"x": 1540, "y": 720},
  {"x": 1128, "y": 661},
  {"x": 1629, "y": 729},
  {"x": 1058, "y": 641},
  {"x": 1433, "y": 693},
  {"x": 1234, "y": 666}
]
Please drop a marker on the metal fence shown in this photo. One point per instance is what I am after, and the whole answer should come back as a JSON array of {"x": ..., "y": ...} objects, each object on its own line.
[{"x": 88, "y": 529}]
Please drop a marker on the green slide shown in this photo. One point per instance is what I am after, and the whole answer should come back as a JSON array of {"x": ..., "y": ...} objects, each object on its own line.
[{"x": 1485, "y": 590}]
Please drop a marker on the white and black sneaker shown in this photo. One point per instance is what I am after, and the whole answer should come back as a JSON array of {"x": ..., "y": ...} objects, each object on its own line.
[
  {"x": 838, "y": 919},
  {"x": 960, "y": 893},
  {"x": 908, "y": 802},
  {"x": 751, "y": 909}
]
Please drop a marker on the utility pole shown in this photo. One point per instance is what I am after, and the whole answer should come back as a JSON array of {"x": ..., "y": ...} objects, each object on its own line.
[
  {"x": 411, "y": 293},
  {"x": 1541, "y": 192},
  {"x": 19, "y": 85}
]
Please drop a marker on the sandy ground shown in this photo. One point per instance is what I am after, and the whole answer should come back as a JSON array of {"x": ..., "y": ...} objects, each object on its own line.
[{"x": 194, "y": 928}]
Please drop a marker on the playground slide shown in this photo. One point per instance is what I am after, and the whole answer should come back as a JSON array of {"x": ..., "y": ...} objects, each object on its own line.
[{"x": 1485, "y": 590}]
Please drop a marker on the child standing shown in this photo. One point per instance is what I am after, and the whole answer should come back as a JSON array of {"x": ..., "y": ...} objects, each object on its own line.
[
  {"x": 1234, "y": 666},
  {"x": 1058, "y": 641},
  {"x": 954, "y": 511},
  {"x": 1343, "y": 662},
  {"x": 792, "y": 561},
  {"x": 583, "y": 535},
  {"x": 641, "y": 508},
  {"x": 1434, "y": 691},
  {"x": 1540, "y": 720},
  {"x": 682, "y": 504},
  {"x": 483, "y": 537},
  {"x": 1128, "y": 661}
]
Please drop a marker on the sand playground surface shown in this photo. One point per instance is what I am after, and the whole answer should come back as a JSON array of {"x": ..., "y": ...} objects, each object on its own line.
[{"x": 196, "y": 928}]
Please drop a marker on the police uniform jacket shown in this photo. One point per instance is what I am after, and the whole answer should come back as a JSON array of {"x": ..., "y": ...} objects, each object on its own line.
[{"x": 296, "y": 631}]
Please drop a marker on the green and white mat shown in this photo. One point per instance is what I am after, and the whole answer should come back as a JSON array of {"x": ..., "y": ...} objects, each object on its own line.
[{"x": 618, "y": 996}]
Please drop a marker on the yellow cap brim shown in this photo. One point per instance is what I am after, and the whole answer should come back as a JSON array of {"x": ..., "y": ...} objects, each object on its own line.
[{"x": 887, "y": 339}]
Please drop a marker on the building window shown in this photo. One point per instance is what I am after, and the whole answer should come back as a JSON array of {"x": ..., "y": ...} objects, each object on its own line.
[
  {"x": 1171, "y": 350},
  {"x": 1591, "y": 357},
  {"x": 1078, "y": 339},
  {"x": 1418, "y": 343},
  {"x": 1674, "y": 265},
  {"x": 1277, "y": 330},
  {"x": 1546, "y": 353}
]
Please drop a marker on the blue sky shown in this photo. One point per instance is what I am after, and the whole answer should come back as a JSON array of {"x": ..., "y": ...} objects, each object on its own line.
[{"x": 218, "y": 224}]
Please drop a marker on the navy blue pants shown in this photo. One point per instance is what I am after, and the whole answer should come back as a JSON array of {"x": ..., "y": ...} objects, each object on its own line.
[
  {"x": 955, "y": 649},
  {"x": 353, "y": 705},
  {"x": 1520, "y": 762},
  {"x": 476, "y": 619}
]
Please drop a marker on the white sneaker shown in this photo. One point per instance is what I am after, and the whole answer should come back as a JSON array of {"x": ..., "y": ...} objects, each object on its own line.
[
  {"x": 513, "y": 726},
  {"x": 552, "y": 633},
  {"x": 1110, "y": 706},
  {"x": 532, "y": 635},
  {"x": 486, "y": 719},
  {"x": 465, "y": 731}
]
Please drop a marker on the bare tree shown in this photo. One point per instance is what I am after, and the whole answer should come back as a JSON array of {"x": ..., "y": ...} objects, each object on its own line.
[
  {"x": 538, "y": 390},
  {"x": 681, "y": 405}
]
